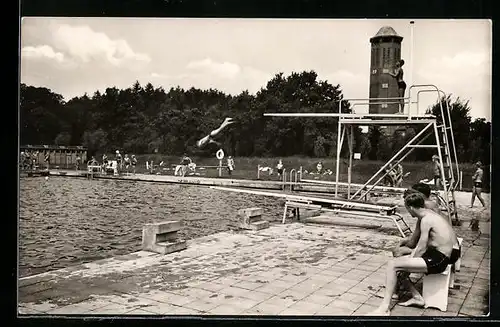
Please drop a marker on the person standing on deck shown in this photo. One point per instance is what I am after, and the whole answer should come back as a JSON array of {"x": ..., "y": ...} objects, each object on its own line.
[
  {"x": 230, "y": 165},
  {"x": 477, "y": 185},
  {"x": 437, "y": 171},
  {"x": 78, "y": 162},
  {"x": 126, "y": 162},
  {"x": 134, "y": 163},
  {"x": 280, "y": 167},
  {"x": 118, "y": 159},
  {"x": 398, "y": 75},
  {"x": 22, "y": 158},
  {"x": 47, "y": 159}
]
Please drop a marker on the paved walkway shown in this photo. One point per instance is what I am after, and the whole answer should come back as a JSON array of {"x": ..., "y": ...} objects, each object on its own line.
[{"x": 292, "y": 269}]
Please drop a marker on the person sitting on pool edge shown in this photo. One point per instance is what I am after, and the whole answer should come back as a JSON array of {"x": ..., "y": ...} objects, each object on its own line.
[{"x": 437, "y": 247}]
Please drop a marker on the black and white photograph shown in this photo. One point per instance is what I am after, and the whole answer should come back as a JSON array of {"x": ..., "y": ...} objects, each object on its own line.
[{"x": 254, "y": 167}]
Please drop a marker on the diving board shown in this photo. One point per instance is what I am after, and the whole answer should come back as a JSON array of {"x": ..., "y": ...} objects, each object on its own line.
[
  {"x": 315, "y": 200},
  {"x": 381, "y": 188},
  {"x": 356, "y": 208}
]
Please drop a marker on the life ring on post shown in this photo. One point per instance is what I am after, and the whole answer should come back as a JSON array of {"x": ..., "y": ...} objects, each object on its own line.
[{"x": 220, "y": 154}]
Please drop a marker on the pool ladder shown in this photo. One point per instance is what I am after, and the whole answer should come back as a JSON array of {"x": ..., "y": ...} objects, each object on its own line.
[{"x": 293, "y": 177}]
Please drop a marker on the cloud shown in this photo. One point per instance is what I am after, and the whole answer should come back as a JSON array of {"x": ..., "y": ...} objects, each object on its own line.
[
  {"x": 224, "y": 69},
  {"x": 466, "y": 74},
  {"x": 469, "y": 65},
  {"x": 84, "y": 44},
  {"x": 225, "y": 76},
  {"x": 353, "y": 85},
  {"x": 473, "y": 59},
  {"x": 41, "y": 51}
]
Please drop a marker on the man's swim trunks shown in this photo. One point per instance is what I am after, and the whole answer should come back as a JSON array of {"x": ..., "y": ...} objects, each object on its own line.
[{"x": 437, "y": 262}]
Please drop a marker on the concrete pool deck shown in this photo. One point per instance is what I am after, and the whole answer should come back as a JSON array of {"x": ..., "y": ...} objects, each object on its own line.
[{"x": 290, "y": 269}]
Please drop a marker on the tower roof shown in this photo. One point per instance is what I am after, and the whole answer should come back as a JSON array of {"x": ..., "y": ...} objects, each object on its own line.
[{"x": 386, "y": 31}]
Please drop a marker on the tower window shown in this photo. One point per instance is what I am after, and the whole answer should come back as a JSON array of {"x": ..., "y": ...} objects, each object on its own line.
[
  {"x": 385, "y": 71},
  {"x": 385, "y": 85},
  {"x": 374, "y": 71},
  {"x": 383, "y": 105}
]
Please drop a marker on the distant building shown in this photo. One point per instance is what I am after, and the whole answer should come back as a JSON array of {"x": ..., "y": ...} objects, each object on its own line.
[
  {"x": 60, "y": 156},
  {"x": 385, "y": 52}
]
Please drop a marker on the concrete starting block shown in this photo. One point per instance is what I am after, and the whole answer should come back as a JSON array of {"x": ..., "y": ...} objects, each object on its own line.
[
  {"x": 162, "y": 237},
  {"x": 251, "y": 218},
  {"x": 435, "y": 286}
]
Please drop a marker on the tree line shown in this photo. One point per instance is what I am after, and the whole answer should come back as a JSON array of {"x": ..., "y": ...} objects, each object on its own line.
[{"x": 147, "y": 119}]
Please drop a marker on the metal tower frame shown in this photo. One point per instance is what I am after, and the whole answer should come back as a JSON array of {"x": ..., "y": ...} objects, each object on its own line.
[{"x": 443, "y": 133}]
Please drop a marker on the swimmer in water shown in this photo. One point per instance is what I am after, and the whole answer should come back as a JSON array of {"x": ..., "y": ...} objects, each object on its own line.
[{"x": 210, "y": 138}]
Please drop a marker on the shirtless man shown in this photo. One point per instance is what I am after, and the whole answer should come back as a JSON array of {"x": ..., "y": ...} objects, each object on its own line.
[
  {"x": 477, "y": 180},
  {"x": 437, "y": 247},
  {"x": 398, "y": 75},
  {"x": 210, "y": 138},
  {"x": 407, "y": 245}
]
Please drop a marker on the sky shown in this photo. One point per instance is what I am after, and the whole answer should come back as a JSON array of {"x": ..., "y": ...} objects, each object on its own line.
[{"x": 73, "y": 56}]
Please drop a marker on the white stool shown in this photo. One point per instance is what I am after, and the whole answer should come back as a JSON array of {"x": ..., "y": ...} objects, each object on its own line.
[
  {"x": 435, "y": 286},
  {"x": 435, "y": 289}
]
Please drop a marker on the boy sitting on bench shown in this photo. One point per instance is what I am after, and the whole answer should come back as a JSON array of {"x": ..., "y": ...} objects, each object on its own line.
[{"x": 437, "y": 248}]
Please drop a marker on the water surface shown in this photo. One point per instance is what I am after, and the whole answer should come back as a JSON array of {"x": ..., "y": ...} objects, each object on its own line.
[{"x": 66, "y": 221}]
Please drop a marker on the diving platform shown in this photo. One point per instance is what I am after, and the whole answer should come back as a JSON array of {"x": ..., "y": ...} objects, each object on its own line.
[
  {"x": 441, "y": 129},
  {"x": 363, "y": 119}
]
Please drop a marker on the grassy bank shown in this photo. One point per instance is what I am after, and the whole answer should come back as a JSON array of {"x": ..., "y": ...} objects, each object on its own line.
[{"x": 362, "y": 169}]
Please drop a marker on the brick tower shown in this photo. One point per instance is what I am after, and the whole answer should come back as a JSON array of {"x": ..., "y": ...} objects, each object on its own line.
[{"x": 385, "y": 52}]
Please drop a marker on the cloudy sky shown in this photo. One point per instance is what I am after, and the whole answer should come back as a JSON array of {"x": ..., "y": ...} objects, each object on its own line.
[{"x": 72, "y": 56}]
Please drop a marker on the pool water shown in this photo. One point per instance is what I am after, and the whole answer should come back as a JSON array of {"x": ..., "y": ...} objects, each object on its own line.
[{"x": 67, "y": 221}]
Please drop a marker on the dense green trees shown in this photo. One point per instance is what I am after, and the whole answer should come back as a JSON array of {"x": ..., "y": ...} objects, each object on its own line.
[{"x": 145, "y": 119}]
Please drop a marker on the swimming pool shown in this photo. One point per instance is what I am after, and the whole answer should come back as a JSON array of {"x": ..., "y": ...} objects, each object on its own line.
[{"x": 68, "y": 221}]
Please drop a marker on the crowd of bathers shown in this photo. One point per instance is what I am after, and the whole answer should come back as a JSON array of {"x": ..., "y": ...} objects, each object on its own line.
[
  {"x": 28, "y": 159},
  {"x": 119, "y": 163}
]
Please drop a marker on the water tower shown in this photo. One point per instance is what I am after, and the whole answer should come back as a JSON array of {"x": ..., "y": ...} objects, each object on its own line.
[{"x": 385, "y": 52}]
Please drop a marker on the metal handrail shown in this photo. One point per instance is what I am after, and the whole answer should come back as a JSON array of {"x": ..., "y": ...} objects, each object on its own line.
[
  {"x": 284, "y": 179},
  {"x": 291, "y": 177},
  {"x": 450, "y": 126},
  {"x": 438, "y": 91}
]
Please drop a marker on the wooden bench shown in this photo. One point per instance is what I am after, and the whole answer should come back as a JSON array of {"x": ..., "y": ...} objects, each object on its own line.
[
  {"x": 435, "y": 287},
  {"x": 298, "y": 204}
]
